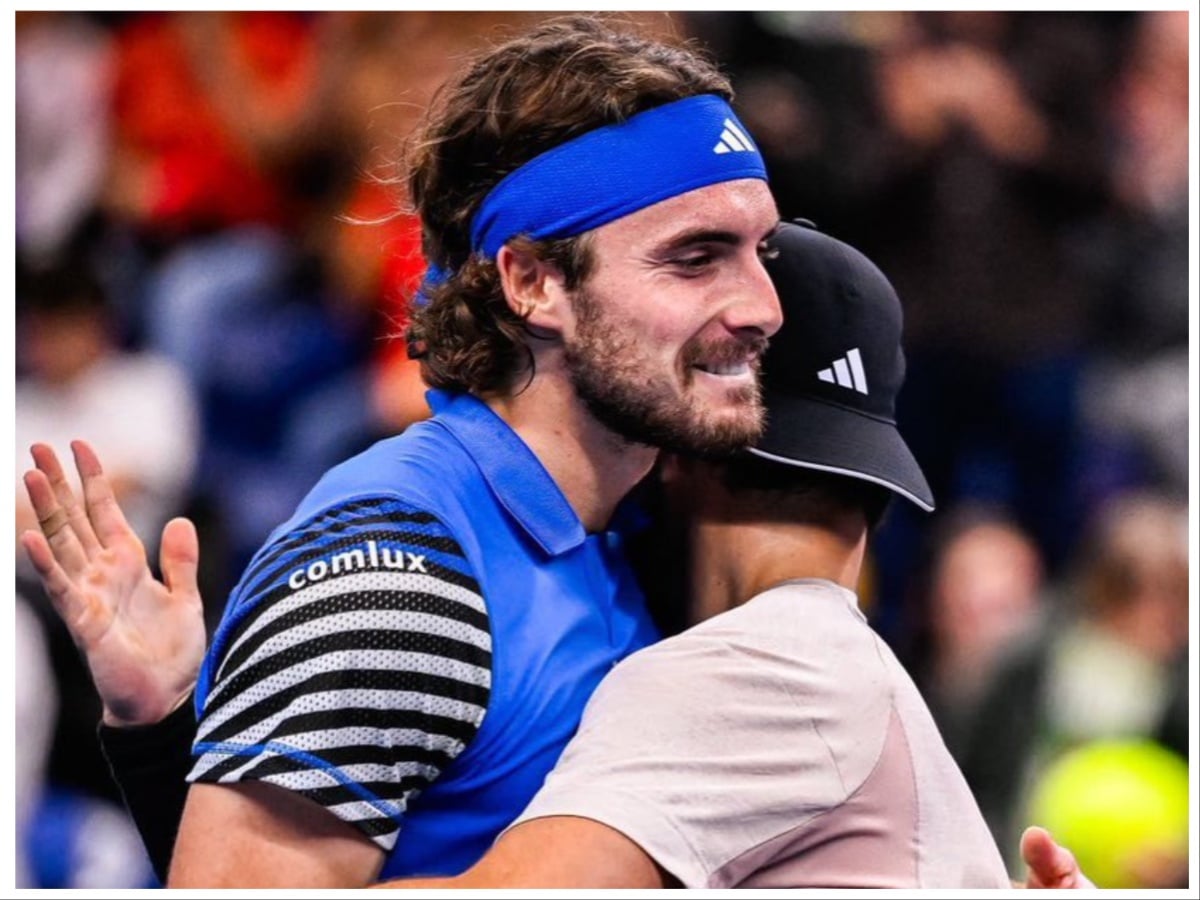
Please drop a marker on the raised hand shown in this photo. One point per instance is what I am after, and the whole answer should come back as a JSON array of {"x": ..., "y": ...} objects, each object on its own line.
[
  {"x": 1050, "y": 865},
  {"x": 143, "y": 638}
]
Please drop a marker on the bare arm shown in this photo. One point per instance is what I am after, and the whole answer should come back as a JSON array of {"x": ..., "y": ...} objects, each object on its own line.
[
  {"x": 570, "y": 852},
  {"x": 557, "y": 852},
  {"x": 257, "y": 835}
]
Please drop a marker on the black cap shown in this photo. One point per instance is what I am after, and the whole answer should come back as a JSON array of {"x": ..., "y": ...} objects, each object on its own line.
[{"x": 831, "y": 374}]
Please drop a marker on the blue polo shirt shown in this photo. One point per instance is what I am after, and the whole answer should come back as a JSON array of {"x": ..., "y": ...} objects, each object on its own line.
[{"x": 415, "y": 646}]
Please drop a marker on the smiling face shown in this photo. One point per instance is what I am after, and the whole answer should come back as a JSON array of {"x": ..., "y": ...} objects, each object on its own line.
[{"x": 670, "y": 325}]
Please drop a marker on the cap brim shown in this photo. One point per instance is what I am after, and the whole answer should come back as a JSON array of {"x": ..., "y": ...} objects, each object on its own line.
[{"x": 816, "y": 435}]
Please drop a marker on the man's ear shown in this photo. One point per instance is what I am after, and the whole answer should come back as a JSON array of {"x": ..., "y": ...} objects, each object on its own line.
[{"x": 534, "y": 290}]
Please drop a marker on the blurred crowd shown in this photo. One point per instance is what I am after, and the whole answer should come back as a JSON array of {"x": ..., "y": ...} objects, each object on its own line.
[{"x": 213, "y": 256}]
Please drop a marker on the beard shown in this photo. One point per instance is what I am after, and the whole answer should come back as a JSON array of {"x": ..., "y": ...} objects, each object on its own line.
[{"x": 617, "y": 383}]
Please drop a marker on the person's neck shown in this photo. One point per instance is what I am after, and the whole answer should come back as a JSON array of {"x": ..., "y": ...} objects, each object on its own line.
[
  {"x": 592, "y": 466},
  {"x": 735, "y": 561}
]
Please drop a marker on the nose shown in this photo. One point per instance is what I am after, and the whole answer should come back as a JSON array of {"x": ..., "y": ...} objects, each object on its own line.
[{"x": 755, "y": 305}]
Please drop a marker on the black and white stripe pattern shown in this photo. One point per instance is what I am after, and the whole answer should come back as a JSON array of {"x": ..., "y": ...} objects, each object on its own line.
[{"x": 359, "y": 686}]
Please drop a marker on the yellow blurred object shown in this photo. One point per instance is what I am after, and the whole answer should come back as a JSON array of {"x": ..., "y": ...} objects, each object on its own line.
[{"x": 1121, "y": 806}]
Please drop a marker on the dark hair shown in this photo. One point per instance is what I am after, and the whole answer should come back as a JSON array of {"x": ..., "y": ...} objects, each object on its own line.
[
  {"x": 794, "y": 493},
  {"x": 560, "y": 80}
]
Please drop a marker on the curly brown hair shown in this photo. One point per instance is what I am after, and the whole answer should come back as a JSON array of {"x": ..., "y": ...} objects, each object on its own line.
[{"x": 556, "y": 82}]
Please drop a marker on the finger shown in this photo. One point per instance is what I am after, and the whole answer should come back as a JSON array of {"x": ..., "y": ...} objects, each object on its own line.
[
  {"x": 1050, "y": 865},
  {"x": 1036, "y": 852},
  {"x": 60, "y": 537},
  {"x": 46, "y": 460},
  {"x": 102, "y": 508},
  {"x": 59, "y": 587},
  {"x": 179, "y": 557}
]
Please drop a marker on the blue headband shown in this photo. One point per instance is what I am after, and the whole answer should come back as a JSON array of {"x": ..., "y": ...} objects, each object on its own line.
[{"x": 616, "y": 170}]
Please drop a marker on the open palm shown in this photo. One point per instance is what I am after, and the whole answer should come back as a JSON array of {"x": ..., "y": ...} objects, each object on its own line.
[{"x": 143, "y": 638}]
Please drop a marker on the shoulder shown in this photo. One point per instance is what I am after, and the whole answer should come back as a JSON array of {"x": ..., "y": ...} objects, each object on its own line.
[
  {"x": 382, "y": 528},
  {"x": 363, "y": 532},
  {"x": 422, "y": 467},
  {"x": 797, "y": 627},
  {"x": 354, "y": 664},
  {"x": 824, "y": 647},
  {"x": 370, "y": 573},
  {"x": 812, "y": 620},
  {"x": 802, "y": 649}
]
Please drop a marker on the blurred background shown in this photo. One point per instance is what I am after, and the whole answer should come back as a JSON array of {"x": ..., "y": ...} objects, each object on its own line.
[{"x": 211, "y": 261}]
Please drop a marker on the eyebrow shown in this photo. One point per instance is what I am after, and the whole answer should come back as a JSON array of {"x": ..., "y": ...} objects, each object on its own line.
[
  {"x": 698, "y": 236},
  {"x": 701, "y": 235}
]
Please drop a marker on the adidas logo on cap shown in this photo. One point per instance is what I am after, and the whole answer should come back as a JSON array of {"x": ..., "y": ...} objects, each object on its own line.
[
  {"x": 733, "y": 140},
  {"x": 847, "y": 372}
]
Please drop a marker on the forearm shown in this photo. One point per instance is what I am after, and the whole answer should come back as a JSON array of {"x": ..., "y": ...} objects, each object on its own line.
[
  {"x": 150, "y": 765},
  {"x": 556, "y": 852}
]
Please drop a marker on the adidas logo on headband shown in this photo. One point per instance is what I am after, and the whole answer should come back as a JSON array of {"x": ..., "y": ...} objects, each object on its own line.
[{"x": 733, "y": 140}]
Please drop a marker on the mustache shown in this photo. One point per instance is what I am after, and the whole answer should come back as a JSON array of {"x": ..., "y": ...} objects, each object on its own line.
[{"x": 726, "y": 351}]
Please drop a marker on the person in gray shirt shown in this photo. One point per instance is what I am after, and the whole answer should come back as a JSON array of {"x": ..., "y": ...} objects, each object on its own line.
[{"x": 779, "y": 743}]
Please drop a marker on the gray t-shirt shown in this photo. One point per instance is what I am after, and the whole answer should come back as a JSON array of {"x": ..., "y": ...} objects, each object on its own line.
[{"x": 780, "y": 744}]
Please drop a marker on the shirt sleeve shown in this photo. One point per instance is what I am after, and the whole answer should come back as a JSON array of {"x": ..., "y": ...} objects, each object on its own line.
[{"x": 355, "y": 667}]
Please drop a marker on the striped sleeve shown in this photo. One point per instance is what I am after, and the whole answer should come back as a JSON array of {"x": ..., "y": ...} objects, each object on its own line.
[{"x": 356, "y": 668}]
